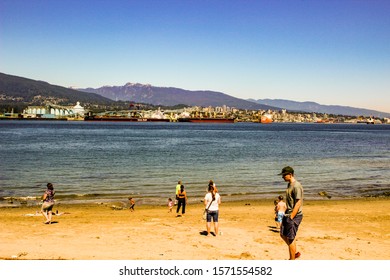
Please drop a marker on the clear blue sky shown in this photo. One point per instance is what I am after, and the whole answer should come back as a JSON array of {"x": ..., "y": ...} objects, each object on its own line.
[{"x": 334, "y": 52}]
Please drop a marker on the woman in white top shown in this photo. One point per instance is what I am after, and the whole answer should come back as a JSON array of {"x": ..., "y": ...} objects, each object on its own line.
[{"x": 211, "y": 202}]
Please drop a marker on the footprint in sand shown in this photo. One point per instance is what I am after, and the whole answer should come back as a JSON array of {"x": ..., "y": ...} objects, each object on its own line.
[{"x": 246, "y": 256}]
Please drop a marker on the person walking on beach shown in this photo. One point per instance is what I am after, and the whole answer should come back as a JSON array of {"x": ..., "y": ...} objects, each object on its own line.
[
  {"x": 182, "y": 200},
  {"x": 177, "y": 191},
  {"x": 293, "y": 216},
  {"x": 48, "y": 203},
  {"x": 211, "y": 201},
  {"x": 132, "y": 204},
  {"x": 281, "y": 208}
]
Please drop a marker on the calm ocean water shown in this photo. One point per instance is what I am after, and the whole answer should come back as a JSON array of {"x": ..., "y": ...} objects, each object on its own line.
[{"x": 104, "y": 162}]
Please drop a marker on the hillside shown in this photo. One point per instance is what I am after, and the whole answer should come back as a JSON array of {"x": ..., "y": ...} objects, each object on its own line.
[
  {"x": 17, "y": 92},
  {"x": 318, "y": 108},
  {"x": 170, "y": 96}
]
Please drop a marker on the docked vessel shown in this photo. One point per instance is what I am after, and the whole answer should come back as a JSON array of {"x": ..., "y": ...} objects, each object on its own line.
[
  {"x": 123, "y": 119},
  {"x": 266, "y": 118},
  {"x": 207, "y": 120}
]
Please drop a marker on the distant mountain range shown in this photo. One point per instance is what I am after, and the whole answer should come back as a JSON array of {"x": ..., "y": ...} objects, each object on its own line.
[
  {"x": 18, "y": 92},
  {"x": 318, "y": 108},
  {"x": 170, "y": 96}
]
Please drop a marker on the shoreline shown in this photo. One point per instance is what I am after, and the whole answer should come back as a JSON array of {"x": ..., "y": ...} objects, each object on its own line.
[
  {"x": 356, "y": 229},
  {"x": 151, "y": 120},
  {"x": 29, "y": 202}
]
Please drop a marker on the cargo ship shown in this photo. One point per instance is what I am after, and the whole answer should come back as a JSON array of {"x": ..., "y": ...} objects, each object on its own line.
[
  {"x": 266, "y": 119},
  {"x": 206, "y": 120},
  {"x": 123, "y": 119}
]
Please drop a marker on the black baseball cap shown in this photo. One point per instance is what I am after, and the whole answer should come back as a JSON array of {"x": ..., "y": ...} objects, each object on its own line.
[{"x": 287, "y": 170}]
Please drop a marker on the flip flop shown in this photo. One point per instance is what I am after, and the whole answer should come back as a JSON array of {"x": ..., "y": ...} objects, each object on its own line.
[{"x": 297, "y": 255}]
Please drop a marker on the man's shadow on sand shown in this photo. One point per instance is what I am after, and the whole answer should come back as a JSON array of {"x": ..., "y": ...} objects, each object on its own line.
[{"x": 273, "y": 229}]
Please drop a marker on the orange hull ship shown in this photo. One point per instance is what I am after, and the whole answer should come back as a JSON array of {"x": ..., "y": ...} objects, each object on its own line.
[{"x": 266, "y": 119}]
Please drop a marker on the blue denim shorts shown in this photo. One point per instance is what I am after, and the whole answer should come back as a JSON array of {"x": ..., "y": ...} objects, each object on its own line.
[
  {"x": 280, "y": 217},
  {"x": 212, "y": 214}
]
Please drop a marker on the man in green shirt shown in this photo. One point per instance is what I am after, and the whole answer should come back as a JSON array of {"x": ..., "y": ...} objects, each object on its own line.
[
  {"x": 177, "y": 191},
  {"x": 293, "y": 215}
]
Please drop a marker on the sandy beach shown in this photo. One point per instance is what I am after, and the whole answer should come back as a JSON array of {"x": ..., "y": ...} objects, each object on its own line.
[{"x": 330, "y": 230}]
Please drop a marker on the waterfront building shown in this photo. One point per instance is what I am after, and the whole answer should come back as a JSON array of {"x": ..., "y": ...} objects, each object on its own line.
[{"x": 52, "y": 111}]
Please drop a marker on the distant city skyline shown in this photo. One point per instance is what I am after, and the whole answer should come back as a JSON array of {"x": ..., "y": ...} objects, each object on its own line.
[{"x": 329, "y": 52}]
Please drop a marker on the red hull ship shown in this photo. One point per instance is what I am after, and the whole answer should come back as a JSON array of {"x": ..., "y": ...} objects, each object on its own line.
[
  {"x": 266, "y": 119},
  {"x": 206, "y": 120},
  {"x": 123, "y": 119}
]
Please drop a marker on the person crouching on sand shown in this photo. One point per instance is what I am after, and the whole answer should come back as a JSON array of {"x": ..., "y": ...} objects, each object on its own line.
[{"x": 48, "y": 203}]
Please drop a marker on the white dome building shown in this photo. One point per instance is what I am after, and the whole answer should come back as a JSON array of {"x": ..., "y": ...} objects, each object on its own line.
[{"x": 78, "y": 109}]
